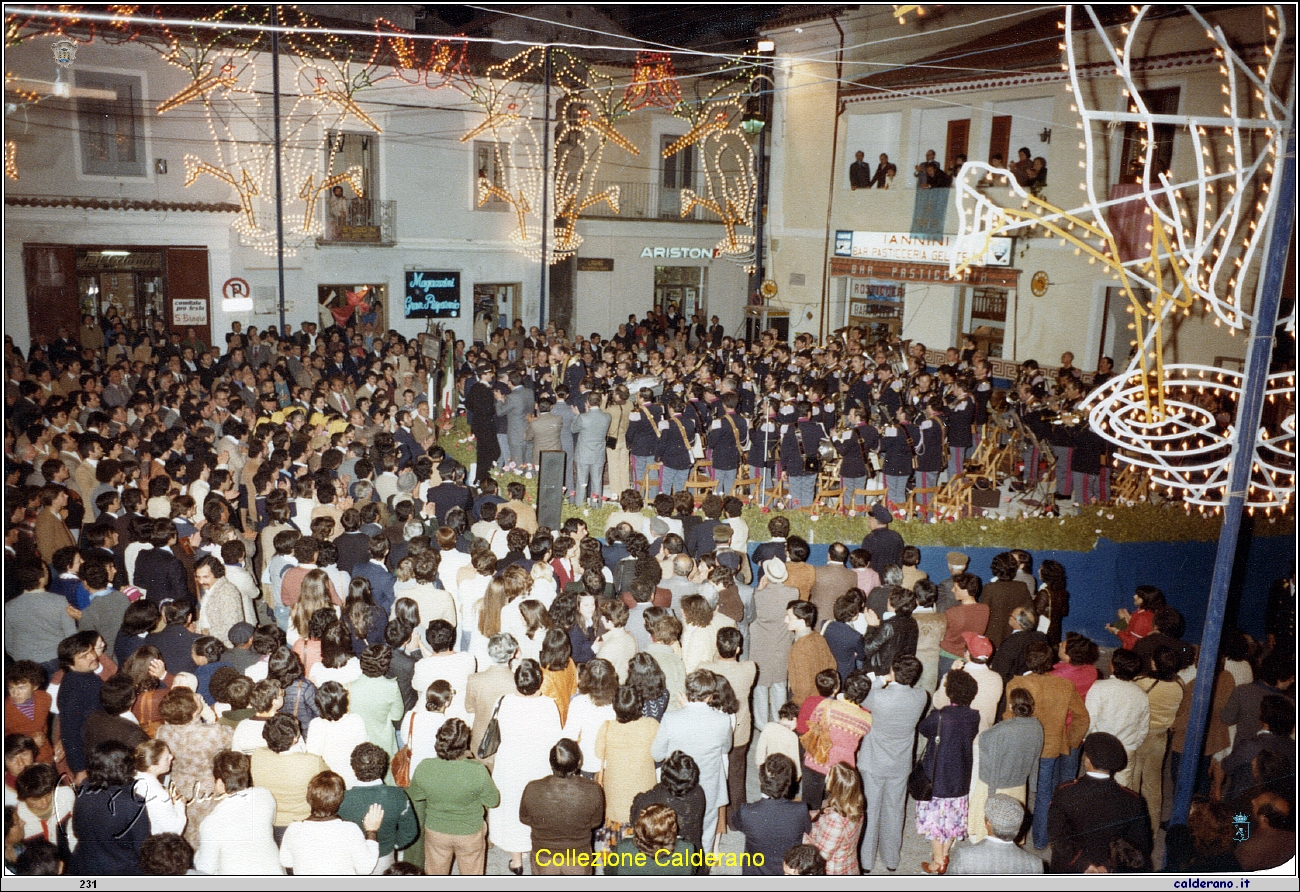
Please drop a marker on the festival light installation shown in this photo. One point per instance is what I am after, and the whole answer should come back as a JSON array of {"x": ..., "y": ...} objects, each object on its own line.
[
  {"x": 222, "y": 53},
  {"x": 1206, "y": 235},
  {"x": 654, "y": 83},
  {"x": 730, "y": 182}
]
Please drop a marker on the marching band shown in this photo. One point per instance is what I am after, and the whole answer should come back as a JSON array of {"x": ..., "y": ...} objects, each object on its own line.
[{"x": 794, "y": 421}]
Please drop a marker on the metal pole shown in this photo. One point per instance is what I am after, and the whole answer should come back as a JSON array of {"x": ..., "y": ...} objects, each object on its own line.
[
  {"x": 1254, "y": 381},
  {"x": 546, "y": 176},
  {"x": 279, "y": 172},
  {"x": 765, "y": 109}
]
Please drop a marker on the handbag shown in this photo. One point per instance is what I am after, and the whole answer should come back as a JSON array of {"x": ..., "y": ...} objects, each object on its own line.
[
  {"x": 817, "y": 743},
  {"x": 401, "y": 764},
  {"x": 920, "y": 785},
  {"x": 491, "y": 742}
]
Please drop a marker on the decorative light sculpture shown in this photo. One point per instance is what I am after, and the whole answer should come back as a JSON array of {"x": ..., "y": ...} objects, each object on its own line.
[{"x": 1204, "y": 248}]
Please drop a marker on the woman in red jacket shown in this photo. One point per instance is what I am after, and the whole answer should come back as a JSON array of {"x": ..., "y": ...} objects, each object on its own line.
[{"x": 1140, "y": 623}]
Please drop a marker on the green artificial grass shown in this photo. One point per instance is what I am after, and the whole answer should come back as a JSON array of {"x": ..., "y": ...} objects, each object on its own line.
[{"x": 1169, "y": 522}]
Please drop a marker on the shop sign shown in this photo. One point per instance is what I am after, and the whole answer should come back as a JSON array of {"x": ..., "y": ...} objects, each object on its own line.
[
  {"x": 595, "y": 264},
  {"x": 95, "y": 261},
  {"x": 918, "y": 249},
  {"x": 193, "y": 311},
  {"x": 897, "y": 271},
  {"x": 432, "y": 294},
  {"x": 659, "y": 252}
]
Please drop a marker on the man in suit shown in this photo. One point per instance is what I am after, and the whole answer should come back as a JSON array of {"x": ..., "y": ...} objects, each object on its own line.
[
  {"x": 832, "y": 580},
  {"x": 885, "y": 758},
  {"x": 699, "y": 539},
  {"x": 562, "y": 811},
  {"x": 777, "y": 529},
  {"x": 405, "y": 440},
  {"x": 353, "y": 545},
  {"x": 515, "y": 406},
  {"x": 1086, "y": 815},
  {"x": 480, "y": 405},
  {"x": 545, "y": 431},
  {"x": 158, "y": 570},
  {"x": 91, "y": 450},
  {"x": 774, "y": 823},
  {"x": 51, "y": 532},
  {"x": 885, "y": 545},
  {"x": 997, "y": 853},
  {"x": 451, "y": 493},
  {"x": 374, "y": 570}
]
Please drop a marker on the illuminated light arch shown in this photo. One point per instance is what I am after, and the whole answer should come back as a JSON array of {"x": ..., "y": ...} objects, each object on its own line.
[{"x": 1203, "y": 246}]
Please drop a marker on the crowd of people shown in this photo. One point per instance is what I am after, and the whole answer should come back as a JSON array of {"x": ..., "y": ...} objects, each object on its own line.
[{"x": 259, "y": 621}]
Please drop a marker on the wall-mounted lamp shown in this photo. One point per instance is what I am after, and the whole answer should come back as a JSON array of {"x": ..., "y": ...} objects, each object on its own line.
[
  {"x": 160, "y": 166},
  {"x": 1046, "y": 135},
  {"x": 767, "y": 46}
]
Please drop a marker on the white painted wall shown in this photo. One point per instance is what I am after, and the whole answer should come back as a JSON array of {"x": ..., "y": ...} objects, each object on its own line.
[{"x": 423, "y": 166}]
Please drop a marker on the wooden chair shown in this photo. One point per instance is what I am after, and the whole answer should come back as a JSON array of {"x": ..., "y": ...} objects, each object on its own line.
[
  {"x": 830, "y": 492},
  {"x": 655, "y": 468},
  {"x": 775, "y": 493},
  {"x": 912, "y": 505},
  {"x": 1130, "y": 486},
  {"x": 870, "y": 495},
  {"x": 699, "y": 483},
  {"x": 953, "y": 501},
  {"x": 746, "y": 487}
]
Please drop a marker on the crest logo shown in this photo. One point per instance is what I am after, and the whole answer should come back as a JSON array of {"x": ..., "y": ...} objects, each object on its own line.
[
  {"x": 1241, "y": 828},
  {"x": 65, "y": 52}
]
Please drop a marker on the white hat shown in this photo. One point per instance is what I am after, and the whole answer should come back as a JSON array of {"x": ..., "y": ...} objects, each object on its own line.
[{"x": 775, "y": 568}]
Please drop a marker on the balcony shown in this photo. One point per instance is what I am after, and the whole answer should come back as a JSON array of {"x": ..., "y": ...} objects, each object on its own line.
[
  {"x": 646, "y": 201},
  {"x": 359, "y": 221}
]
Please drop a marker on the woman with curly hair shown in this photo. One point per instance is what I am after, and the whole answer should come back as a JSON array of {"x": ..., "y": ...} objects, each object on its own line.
[
  {"x": 377, "y": 698},
  {"x": 194, "y": 745},
  {"x": 951, "y": 734},
  {"x": 655, "y": 836},
  {"x": 646, "y": 678},
  {"x": 623, "y": 748}
]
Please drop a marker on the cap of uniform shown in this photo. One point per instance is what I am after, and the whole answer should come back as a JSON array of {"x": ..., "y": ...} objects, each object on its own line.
[
  {"x": 957, "y": 559},
  {"x": 1105, "y": 752},
  {"x": 881, "y": 513}
]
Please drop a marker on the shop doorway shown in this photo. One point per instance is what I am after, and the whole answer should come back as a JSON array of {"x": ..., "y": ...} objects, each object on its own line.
[
  {"x": 501, "y": 300},
  {"x": 148, "y": 288},
  {"x": 683, "y": 286}
]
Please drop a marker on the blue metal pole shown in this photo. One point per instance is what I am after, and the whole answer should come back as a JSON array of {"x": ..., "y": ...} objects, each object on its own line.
[
  {"x": 279, "y": 171},
  {"x": 1250, "y": 411}
]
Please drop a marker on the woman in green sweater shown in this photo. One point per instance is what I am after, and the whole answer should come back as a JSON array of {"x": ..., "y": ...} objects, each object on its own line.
[{"x": 451, "y": 794}]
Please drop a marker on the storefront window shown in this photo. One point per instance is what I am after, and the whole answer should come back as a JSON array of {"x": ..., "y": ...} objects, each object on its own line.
[
  {"x": 680, "y": 285},
  {"x": 987, "y": 322},
  {"x": 353, "y": 305},
  {"x": 876, "y": 305},
  {"x": 131, "y": 282}
]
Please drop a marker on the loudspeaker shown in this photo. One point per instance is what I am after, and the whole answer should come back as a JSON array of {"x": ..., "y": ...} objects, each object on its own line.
[{"x": 550, "y": 488}]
